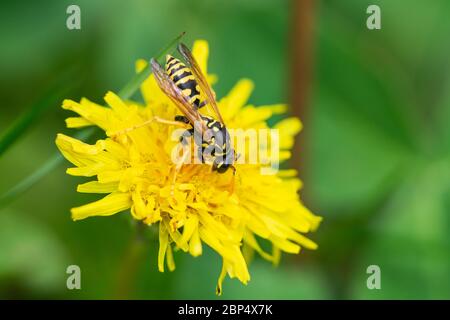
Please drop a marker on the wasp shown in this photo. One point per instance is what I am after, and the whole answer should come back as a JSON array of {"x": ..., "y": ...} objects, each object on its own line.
[{"x": 183, "y": 84}]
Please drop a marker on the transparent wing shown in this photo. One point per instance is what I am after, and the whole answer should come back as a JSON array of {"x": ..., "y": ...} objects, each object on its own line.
[
  {"x": 174, "y": 93},
  {"x": 200, "y": 77}
]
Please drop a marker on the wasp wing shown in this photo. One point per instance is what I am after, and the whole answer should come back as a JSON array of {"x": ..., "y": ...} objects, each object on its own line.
[
  {"x": 200, "y": 77},
  {"x": 174, "y": 93}
]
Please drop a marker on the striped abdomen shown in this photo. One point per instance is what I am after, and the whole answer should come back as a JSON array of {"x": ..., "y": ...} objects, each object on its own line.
[
  {"x": 218, "y": 145},
  {"x": 184, "y": 79}
]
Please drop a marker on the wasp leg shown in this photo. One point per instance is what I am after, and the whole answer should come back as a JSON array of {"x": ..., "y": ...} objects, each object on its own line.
[
  {"x": 164, "y": 121},
  {"x": 182, "y": 119},
  {"x": 146, "y": 123},
  {"x": 202, "y": 104}
]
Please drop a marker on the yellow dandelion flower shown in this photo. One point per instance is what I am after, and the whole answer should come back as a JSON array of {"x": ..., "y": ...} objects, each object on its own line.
[{"x": 136, "y": 172}]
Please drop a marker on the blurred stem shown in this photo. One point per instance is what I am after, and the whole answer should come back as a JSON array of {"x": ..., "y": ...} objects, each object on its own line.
[
  {"x": 302, "y": 34},
  {"x": 50, "y": 97},
  {"x": 130, "y": 263},
  {"x": 37, "y": 175},
  {"x": 16, "y": 130}
]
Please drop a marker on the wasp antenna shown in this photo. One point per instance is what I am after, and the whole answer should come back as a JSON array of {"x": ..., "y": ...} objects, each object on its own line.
[
  {"x": 153, "y": 61},
  {"x": 156, "y": 67},
  {"x": 182, "y": 47}
]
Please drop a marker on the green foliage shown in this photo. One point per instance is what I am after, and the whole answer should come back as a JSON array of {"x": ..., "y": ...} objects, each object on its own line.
[{"x": 32, "y": 259}]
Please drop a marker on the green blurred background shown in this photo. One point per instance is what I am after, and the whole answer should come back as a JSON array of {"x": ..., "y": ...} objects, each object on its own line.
[{"x": 374, "y": 153}]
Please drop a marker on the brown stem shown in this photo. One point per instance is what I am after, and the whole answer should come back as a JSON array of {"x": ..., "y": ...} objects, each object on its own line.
[{"x": 302, "y": 32}]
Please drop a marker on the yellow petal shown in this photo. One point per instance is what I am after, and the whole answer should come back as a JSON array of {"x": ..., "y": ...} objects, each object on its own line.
[
  {"x": 287, "y": 173},
  {"x": 240, "y": 266},
  {"x": 92, "y": 112},
  {"x": 275, "y": 108},
  {"x": 211, "y": 224},
  {"x": 284, "y": 155},
  {"x": 116, "y": 104},
  {"x": 304, "y": 242},
  {"x": 200, "y": 51},
  {"x": 249, "y": 116},
  {"x": 65, "y": 145},
  {"x": 236, "y": 98},
  {"x": 109, "y": 176},
  {"x": 222, "y": 275},
  {"x": 85, "y": 155},
  {"x": 276, "y": 254},
  {"x": 77, "y": 122},
  {"x": 89, "y": 158},
  {"x": 257, "y": 226},
  {"x": 109, "y": 205},
  {"x": 116, "y": 149},
  {"x": 163, "y": 243},
  {"x": 210, "y": 238},
  {"x": 188, "y": 230},
  {"x": 85, "y": 171},
  {"x": 140, "y": 65},
  {"x": 290, "y": 126},
  {"x": 175, "y": 236},
  {"x": 97, "y": 187},
  {"x": 195, "y": 244},
  {"x": 250, "y": 239},
  {"x": 285, "y": 245},
  {"x": 170, "y": 260},
  {"x": 138, "y": 209}
]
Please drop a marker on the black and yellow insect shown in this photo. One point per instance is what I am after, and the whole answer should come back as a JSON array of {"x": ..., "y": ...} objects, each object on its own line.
[
  {"x": 184, "y": 85},
  {"x": 184, "y": 79}
]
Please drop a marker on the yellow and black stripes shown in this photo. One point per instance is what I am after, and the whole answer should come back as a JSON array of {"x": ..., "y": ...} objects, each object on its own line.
[
  {"x": 219, "y": 144},
  {"x": 183, "y": 79},
  {"x": 212, "y": 142}
]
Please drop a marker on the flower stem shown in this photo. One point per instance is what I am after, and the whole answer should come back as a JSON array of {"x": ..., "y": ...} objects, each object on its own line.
[
  {"x": 302, "y": 44},
  {"x": 54, "y": 93}
]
